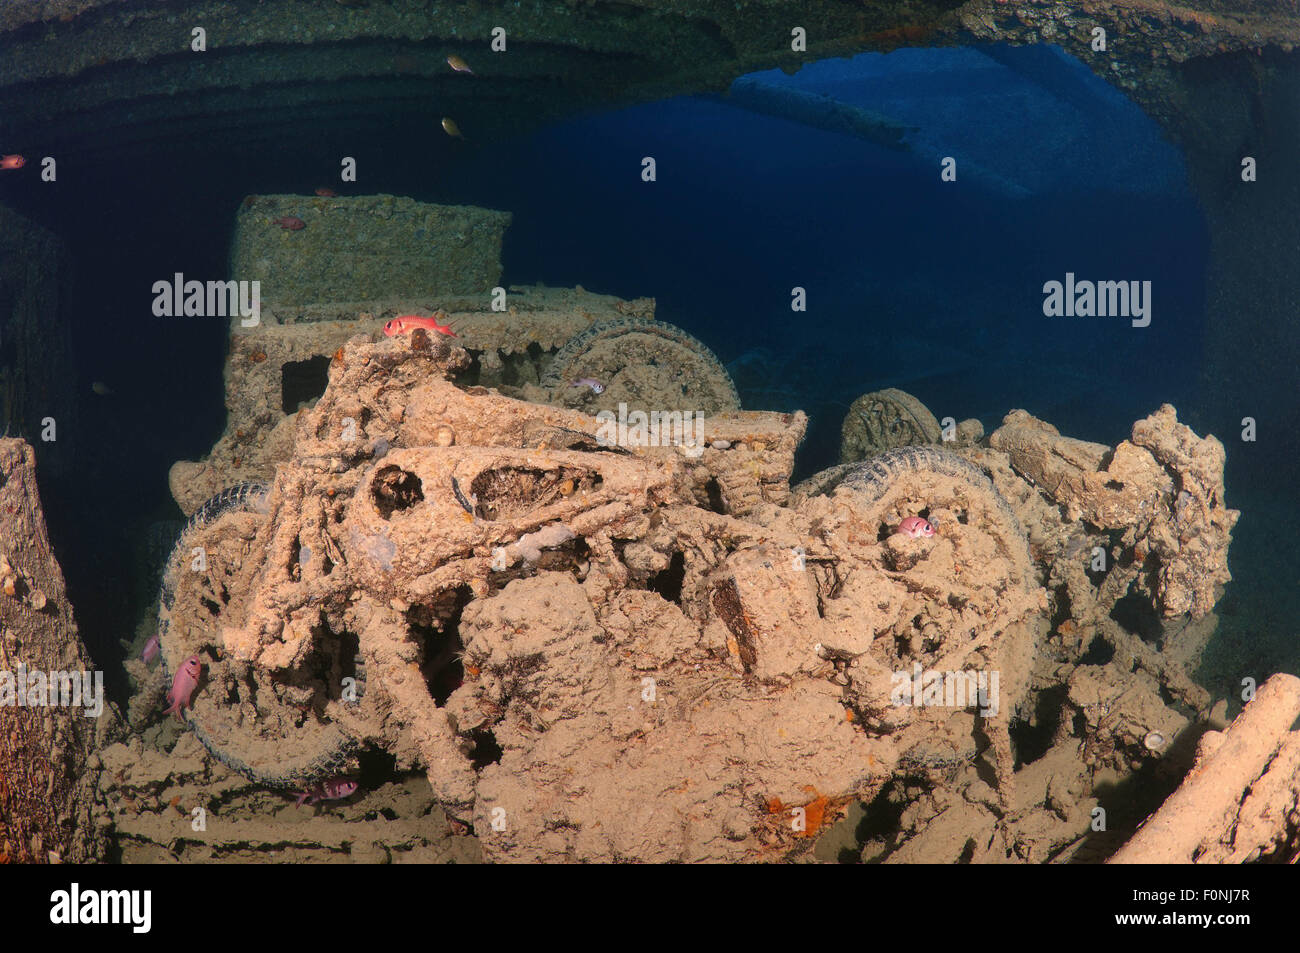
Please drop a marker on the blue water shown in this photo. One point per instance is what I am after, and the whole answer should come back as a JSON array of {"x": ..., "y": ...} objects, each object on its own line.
[{"x": 932, "y": 286}]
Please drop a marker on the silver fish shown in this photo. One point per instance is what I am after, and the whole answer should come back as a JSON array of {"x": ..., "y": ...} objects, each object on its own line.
[{"x": 596, "y": 386}]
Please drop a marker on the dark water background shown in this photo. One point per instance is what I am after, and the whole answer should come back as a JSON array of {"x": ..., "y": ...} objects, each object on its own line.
[{"x": 912, "y": 282}]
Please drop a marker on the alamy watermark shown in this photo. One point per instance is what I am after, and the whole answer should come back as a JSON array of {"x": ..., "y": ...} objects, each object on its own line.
[
  {"x": 211, "y": 299},
  {"x": 127, "y": 907},
  {"x": 934, "y": 689},
  {"x": 26, "y": 688},
  {"x": 1086, "y": 299},
  {"x": 658, "y": 428}
]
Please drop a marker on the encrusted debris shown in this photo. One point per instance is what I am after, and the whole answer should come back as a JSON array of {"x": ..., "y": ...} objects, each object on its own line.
[
  {"x": 1164, "y": 489},
  {"x": 576, "y": 644}
]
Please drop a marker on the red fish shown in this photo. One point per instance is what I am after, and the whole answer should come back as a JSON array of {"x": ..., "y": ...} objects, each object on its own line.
[
  {"x": 150, "y": 649},
  {"x": 405, "y": 323},
  {"x": 915, "y": 527},
  {"x": 335, "y": 789},
  {"x": 12, "y": 162},
  {"x": 326, "y": 193},
  {"x": 183, "y": 685},
  {"x": 290, "y": 222}
]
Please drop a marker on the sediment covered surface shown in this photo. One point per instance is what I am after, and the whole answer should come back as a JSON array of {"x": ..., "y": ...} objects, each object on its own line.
[{"x": 501, "y": 622}]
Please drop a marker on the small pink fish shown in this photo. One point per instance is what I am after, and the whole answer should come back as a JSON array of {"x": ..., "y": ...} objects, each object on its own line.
[
  {"x": 183, "y": 685},
  {"x": 12, "y": 162},
  {"x": 335, "y": 789},
  {"x": 596, "y": 386},
  {"x": 291, "y": 222},
  {"x": 150, "y": 649},
  {"x": 915, "y": 527}
]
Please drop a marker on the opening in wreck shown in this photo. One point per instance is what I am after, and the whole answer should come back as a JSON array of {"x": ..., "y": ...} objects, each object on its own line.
[{"x": 302, "y": 382}]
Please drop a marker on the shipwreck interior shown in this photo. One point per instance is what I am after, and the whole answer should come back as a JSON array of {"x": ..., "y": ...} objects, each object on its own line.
[{"x": 874, "y": 207}]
